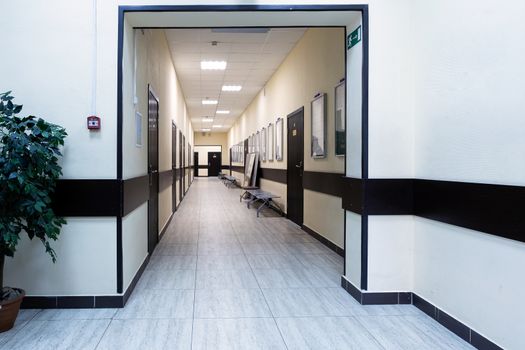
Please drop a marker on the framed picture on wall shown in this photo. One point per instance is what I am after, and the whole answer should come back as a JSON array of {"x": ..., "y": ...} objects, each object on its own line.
[
  {"x": 270, "y": 142},
  {"x": 340, "y": 119},
  {"x": 318, "y": 137},
  {"x": 279, "y": 139},
  {"x": 258, "y": 142},
  {"x": 263, "y": 144}
]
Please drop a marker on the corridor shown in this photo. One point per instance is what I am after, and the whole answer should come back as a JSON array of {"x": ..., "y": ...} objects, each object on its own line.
[{"x": 222, "y": 279}]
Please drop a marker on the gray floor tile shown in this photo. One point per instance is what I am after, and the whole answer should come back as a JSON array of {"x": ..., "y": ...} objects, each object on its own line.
[
  {"x": 213, "y": 248},
  {"x": 58, "y": 335},
  {"x": 75, "y": 314},
  {"x": 167, "y": 279},
  {"x": 344, "y": 333},
  {"x": 151, "y": 303},
  {"x": 172, "y": 262},
  {"x": 24, "y": 316},
  {"x": 411, "y": 333},
  {"x": 147, "y": 334},
  {"x": 222, "y": 262},
  {"x": 176, "y": 249},
  {"x": 230, "y": 303},
  {"x": 225, "y": 279},
  {"x": 273, "y": 261},
  {"x": 236, "y": 334},
  {"x": 293, "y": 278}
]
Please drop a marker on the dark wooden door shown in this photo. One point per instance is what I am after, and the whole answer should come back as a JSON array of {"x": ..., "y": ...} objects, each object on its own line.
[
  {"x": 153, "y": 171},
  {"x": 181, "y": 169},
  {"x": 295, "y": 138},
  {"x": 214, "y": 163},
  {"x": 184, "y": 164},
  {"x": 196, "y": 163},
  {"x": 174, "y": 166}
]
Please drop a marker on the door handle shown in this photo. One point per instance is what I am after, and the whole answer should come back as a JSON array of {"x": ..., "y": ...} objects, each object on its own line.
[{"x": 300, "y": 165}]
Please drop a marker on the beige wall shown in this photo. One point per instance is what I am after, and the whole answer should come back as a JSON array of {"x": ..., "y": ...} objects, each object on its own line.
[
  {"x": 148, "y": 51},
  {"x": 316, "y": 64},
  {"x": 214, "y": 139}
]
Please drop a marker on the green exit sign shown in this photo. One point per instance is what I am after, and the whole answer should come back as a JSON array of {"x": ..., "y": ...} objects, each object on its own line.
[{"x": 353, "y": 38}]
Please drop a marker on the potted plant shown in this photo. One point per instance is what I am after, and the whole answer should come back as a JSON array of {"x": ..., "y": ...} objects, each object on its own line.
[{"x": 29, "y": 169}]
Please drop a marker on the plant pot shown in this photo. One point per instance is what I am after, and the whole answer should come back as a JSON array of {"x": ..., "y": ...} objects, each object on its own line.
[{"x": 9, "y": 311}]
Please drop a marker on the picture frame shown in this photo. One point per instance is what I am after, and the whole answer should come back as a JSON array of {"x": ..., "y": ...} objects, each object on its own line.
[
  {"x": 279, "y": 139},
  {"x": 340, "y": 118},
  {"x": 270, "y": 142},
  {"x": 258, "y": 142},
  {"x": 263, "y": 144},
  {"x": 318, "y": 127}
]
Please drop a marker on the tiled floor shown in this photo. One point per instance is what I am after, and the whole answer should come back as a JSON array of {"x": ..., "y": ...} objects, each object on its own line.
[{"x": 223, "y": 279}]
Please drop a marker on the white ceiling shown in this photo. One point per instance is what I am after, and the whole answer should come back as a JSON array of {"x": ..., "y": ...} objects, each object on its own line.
[{"x": 252, "y": 59}]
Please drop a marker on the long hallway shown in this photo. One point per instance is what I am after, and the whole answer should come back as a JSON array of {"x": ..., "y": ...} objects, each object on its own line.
[{"x": 223, "y": 279}]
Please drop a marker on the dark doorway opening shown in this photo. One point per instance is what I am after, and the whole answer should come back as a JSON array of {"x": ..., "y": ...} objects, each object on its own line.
[
  {"x": 181, "y": 168},
  {"x": 174, "y": 167},
  {"x": 196, "y": 163},
  {"x": 153, "y": 170},
  {"x": 214, "y": 163},
  {"x": 295, "y": 192},
  {"x": 184, "y": 164}
]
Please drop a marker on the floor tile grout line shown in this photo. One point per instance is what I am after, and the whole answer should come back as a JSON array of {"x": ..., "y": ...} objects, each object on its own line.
[
  {"x": 103, "y": 334},
  {"x": 265, "y": 300}
]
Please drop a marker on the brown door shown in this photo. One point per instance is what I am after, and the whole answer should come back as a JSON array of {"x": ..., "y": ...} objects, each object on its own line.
[{"x": 295, "y": 156}]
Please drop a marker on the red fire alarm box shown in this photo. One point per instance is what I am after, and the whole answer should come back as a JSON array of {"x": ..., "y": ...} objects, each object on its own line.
[{"x": 93, "y": 122}]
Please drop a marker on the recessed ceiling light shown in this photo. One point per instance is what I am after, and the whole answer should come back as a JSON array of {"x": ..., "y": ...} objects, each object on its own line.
[
  {"x": 213, "y": 65},
  {"x": 209, "y": 102},
  {"x": 207, "y": 120},
  {"x": 223, "y": 112},
  {"x": 231, "y": 88},
  {"x": 206, "y": 129},
  {"x": 217, "y": 126}
]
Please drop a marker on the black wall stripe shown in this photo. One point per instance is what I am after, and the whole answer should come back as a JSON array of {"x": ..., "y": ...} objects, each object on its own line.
[
  {"x": 489, "y": 208},
  {"x": 165, "y": 179},
  {"x": 239, "y": 169},
  {"x": 272, "y": 174},
  {"x": 87, "y": 198},
  {"x": 136, "y": 192},
  {"x": 328, "y": 183}
]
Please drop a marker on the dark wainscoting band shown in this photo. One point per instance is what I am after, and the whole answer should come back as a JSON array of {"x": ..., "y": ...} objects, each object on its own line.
[
  {"x": 327, "y": 183},
  {"x": 87, "y": 197},
  {"x": 489, "y": 208},
  {"x": 322, "y": 239},
  {"x": 165, "y": 179},
  {"x": 136, "y": 192},
  {"x": 272, "y": 174},
  {"x": 238, "y": 169},
  {"x": 165, "y": 228},
  {"x": 225, "y": 167},
  {"x": 202, "y": 166},
  {"x": 393, "y": 298}
]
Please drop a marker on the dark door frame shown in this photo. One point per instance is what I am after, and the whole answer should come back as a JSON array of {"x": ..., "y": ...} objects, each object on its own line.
[
  {"x": 174, "y": 166},
  {"x": 153, "y": 176},
  {"x": 288, "y": 173},
  {"x": 362, "y": 8},
  {"x": 219, "y": 165}
]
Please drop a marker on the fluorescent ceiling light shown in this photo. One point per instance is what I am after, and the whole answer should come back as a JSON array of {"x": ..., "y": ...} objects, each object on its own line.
[
  {"x": 207, "y": 120},
  {"x": 223, "y": 112},
  {"x": 217, "y": 126},
  {"x": 213, "y": 65},
  {"x": 209, "y": 102},
  {"x": 206, "y": 129},
  {"x": 231, "y": 88}
]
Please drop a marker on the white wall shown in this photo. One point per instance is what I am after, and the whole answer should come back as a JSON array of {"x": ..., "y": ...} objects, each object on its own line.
[
  {"x": 86, "y": 261},
  {"x": 469, "y": 126},
  {"x": 203, "y": 156}
]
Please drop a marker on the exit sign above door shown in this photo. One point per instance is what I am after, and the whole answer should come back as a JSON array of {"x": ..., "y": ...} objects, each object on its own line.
[{"x": 353, "y": 38}]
